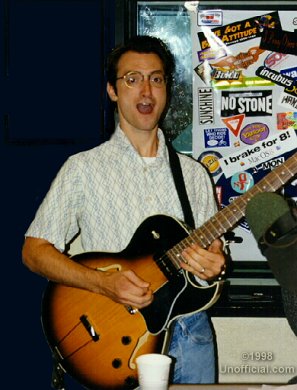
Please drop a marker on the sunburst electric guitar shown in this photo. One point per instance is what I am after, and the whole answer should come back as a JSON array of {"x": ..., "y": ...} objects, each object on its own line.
[{"x": 96, "y": 340}]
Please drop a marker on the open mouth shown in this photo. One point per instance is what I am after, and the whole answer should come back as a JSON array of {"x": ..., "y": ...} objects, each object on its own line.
[{"x": 145, "y": 108}]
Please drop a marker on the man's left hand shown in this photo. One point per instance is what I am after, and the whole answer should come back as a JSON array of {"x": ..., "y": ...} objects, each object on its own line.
[{"x": 207, "y": 264}]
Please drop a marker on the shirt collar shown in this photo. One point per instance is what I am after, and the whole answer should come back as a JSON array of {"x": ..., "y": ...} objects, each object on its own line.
[{"x": 122, "y": 141}]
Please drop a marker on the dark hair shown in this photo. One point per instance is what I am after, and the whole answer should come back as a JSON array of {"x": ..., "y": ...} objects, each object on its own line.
[{"x": 142, "y": 44}]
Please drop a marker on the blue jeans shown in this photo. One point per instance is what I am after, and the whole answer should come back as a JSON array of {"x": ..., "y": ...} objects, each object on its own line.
[{"x": 192, "y": 350}]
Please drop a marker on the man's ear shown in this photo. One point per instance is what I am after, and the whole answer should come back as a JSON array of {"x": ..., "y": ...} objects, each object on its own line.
[{"x": 111, "y": 92}]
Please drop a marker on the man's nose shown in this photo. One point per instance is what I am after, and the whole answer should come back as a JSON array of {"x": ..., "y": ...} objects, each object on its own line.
[{"x": 146, "y": 86}]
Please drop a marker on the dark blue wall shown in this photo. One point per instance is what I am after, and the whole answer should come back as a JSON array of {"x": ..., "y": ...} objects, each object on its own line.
[{"x": 53, "y": 105}]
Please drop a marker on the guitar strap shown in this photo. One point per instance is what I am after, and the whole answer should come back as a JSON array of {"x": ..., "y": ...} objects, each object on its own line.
[{"x": 180, "y": 185}]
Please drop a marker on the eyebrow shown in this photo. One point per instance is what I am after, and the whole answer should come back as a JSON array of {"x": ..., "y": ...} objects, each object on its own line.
[{"x": 138, "y": 71}]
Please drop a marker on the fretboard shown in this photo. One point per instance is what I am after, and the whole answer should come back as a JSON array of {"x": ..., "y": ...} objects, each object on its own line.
[{"x": 227, "y": 218}]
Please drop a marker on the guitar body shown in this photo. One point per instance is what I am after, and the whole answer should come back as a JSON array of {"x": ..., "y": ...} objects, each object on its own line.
[{"x": 96, "y": 340}]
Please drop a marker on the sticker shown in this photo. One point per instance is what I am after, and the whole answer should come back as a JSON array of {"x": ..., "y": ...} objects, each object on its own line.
[
  {"x": 245, "y": 82},
  {"x": 236, "y": 32},
  {"x": 222, "y": 74},
  {"x": 219, "y": 191},
  {"x": 291, "y": 72},
  {"x": 270, "y": 165},
  {"x": 274, "y": 59},
  {"x": 216, "y": 138},
  {"x": 286, "y": 120},
  {"x": 205, "y": 106},
  {"x": 234, "y": 123},
  {"x": 267, "y": 21},
  {"x": 292, "y": 90},
  {"x": 279, "y": 40},
  {"x": 254, "y": 132},
  {"x": 211, "y": 161},
  {"x": 210, "y": 18},
  {"x": 211, "y": 54},
  {"x": 278, "y": 78},
  {"x": 288, "y": 101},
  {"x": 242, "y": 182},
  {"x": 204, "y": 71},
  {"x": 241, "y": 60},
  {"x": 261, "y": 151},
  {"x": 250, "y": 103}
]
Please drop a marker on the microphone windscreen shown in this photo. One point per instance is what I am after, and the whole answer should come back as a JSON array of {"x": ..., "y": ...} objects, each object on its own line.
[
  {"x": 290, "y": 308},
  {"x": 274, "y": 226},
  {"x": 263, "y": 210}
]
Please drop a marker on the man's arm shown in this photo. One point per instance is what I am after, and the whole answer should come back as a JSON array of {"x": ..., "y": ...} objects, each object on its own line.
[{"x": 125, "y": 287}]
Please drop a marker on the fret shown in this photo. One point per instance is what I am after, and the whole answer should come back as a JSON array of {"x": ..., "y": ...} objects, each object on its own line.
[
  {"x": 284, "y": 167},
  {"x": 293, "y": 165},
  {"x": 226, "y": 223},
  {"x": 262, "y": 186},
  {"x": 217, "y": 226},
  {"x": 175, "y": 258},
  {"x": 200, "y": 238},
  {"x": 286, "y": 170},
  {"x": 266, "y": 186},
  {"x": 230, "y": 216},
  {"x": 238, "y": 209},
  {"x": 182, "y": 245},
  {"x": 240, "y": 203},
  {"x": 208, "y": 232},
  {"x": 188, "y": 241},
  {"x": 283, "y": 175}
]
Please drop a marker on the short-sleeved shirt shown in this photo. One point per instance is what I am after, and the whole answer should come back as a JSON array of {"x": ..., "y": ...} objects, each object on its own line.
[{"x": 105, "y": 193}]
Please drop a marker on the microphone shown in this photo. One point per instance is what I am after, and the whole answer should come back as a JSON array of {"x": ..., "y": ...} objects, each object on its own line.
[
  {"x": 274, "y": 226},
  {"x": 290, "y": 308}
]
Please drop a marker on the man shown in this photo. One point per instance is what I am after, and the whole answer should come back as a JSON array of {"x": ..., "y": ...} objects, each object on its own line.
[{"x": 107, "y": 192}]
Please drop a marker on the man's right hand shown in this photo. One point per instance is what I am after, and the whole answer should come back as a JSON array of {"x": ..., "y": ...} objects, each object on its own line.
[{"x": 127, "y": 288}]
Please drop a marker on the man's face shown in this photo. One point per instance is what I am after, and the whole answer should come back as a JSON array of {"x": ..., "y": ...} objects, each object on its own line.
[{"x": 141, "y": 106}]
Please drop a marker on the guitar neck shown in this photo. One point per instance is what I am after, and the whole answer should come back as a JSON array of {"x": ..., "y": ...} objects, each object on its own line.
[{"x": 227, "y": 218}]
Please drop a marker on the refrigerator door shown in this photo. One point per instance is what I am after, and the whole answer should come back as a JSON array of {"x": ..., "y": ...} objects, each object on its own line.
[
  {"x": 245, "y": 94},
  {"x": 223, "y": 100}
]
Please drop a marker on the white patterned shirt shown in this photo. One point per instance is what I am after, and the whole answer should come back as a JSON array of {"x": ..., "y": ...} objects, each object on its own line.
[{"x": 105, "y": 193}]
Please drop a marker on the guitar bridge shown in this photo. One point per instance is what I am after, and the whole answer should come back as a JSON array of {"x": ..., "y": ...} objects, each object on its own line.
[{"x": 89, "y": 327}]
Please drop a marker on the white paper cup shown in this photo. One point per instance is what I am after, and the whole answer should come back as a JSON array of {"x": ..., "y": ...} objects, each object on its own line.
[{"x": 153, "y": 371}]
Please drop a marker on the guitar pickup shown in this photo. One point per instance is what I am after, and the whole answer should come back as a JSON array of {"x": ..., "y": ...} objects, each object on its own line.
[{"x": 89, "y": 327}]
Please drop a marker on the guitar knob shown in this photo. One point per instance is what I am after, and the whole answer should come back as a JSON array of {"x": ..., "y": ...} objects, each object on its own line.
[
  {"x": 116, "y": 363},
  {"x": 131, "y": 382},
  {"x": 156, "y": 235},
  {"x": 126, "y": 340}
]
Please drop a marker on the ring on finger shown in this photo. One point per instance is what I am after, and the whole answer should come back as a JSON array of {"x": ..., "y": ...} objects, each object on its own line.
[{"x": 202, "y": 270}]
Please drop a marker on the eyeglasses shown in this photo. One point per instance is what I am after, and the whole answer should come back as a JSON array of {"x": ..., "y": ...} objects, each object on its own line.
[{"x": 135, "y": 79}]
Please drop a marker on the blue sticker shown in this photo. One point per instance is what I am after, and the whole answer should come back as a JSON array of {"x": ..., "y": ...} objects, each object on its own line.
[
  {"x": 242, "y": 182},
  {"x": 291, "y": 72},
  {"x": 216, "y": 138}
]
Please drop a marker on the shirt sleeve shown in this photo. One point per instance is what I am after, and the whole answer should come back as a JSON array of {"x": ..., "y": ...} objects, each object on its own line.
[{"x": 56, "y": 219}]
